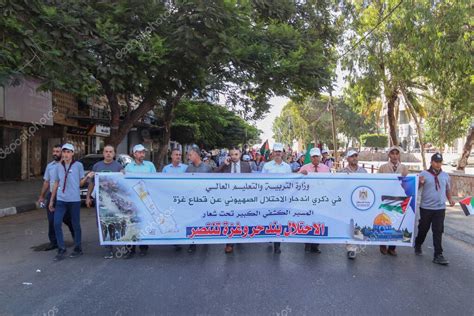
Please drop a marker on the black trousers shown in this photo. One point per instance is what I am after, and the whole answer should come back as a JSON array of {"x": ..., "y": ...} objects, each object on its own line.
[
  {"x": 435, "y": 219},
  {"x": 50, "y": 215}
]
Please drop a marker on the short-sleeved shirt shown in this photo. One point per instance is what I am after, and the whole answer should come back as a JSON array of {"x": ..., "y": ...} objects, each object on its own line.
[
  {"x": 180, "y": 168},
  {"x": 310, "y": 168},
  {"x": 145, "y": 167},
  {"x": 49, "y": 174},
  {"x": 349, "y": 170},
  {"x": 273, "y": 167},
  {"x": 69, "y": 190},
  {"x": 257, "y": 167},
  {"x": 202, "y": 168},
  {"x": 102, "y": 166},
  {"x": 431, "y": 198}
]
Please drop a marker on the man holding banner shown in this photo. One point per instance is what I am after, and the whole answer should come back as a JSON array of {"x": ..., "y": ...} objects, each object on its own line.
[
  {"x": 314, "y": 166},
  {"x": 352, "y": 167},
  {"x": 139, "y": 165},
  {"x": 277, "y": 165},
  {"x": 196, "y": 166},
  {"x": 436, "y": 189},
  {"x": 394, "y": 165},
  {"x": 232, "y": 164}
]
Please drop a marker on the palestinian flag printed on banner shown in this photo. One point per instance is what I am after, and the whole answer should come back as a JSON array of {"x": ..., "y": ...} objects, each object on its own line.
[
  {"x": 397, "y": 204},
  {"x": 265, "y": 150},
  {"x": 467, "y": 205}
]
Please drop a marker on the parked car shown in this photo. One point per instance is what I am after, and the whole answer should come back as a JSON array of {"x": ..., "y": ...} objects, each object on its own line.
[
  {"x": 470, "y": 161},
  {"x": 88, "y": 162}
]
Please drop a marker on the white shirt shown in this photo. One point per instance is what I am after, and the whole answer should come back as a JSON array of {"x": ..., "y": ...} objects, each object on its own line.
[
  {"x": 273, "y": 167},
  {"x": 237, "y": 167}
]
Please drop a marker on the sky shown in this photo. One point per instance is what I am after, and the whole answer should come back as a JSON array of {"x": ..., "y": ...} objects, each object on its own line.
[{"x": 278, "y": 103}]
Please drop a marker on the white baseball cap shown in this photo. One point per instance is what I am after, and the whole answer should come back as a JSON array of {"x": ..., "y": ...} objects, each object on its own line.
[
  {"x": 314, "y": 152},
  {"x": 395, "y": 148},
  {"x": 278, "y": 147},
  {"x": 351, "y": 153},
  {"x": 138, "y": 147},
  {"x": 67, "y": 146},
  {"x": 324, "y": 151}
]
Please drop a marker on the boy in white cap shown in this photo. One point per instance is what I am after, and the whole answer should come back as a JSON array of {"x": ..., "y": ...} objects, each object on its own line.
[
  {"x": 68, "y": 179},
  {"x": 277, "y": 165},
  {"x": 352, "y": 157}
]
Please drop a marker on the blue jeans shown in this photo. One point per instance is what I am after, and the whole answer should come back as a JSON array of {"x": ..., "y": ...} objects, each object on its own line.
[
  {"x": 51, "y": 229},
  {"x": 74, "y": 208}
]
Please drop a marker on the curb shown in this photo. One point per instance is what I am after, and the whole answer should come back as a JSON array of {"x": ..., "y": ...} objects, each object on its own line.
[{"x": 9, "y": 211}]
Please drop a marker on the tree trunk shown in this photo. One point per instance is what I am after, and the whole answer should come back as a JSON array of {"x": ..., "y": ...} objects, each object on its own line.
[
  {"x": 412, "y": 112},
  {"x": 466, "y": 151},
  {"x": 164, "y": 140},
  {"x": 119, "y": 129},
  {"x": 392, "y": 121}
]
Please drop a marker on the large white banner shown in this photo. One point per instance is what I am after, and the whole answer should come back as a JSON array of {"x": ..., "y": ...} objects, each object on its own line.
[{"x": 238, "y": 208}]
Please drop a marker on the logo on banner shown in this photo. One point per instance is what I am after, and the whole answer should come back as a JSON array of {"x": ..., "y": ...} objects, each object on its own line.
[{"x": 363, "y": 198}]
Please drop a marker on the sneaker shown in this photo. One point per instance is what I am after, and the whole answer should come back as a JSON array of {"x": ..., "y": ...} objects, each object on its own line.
[
  {"x": 439, "y": 259},
  {"x": 392, "y": 252},
  {"x": 418, "y": 251},
  {"x": 109, "y": 255},
  {"x": 143, "y": 252},
  {"x": 315, "y": 248},
  {"x": 177, "y": 248},
  {"x": 76, "y": 253},
  {"x": 351, "y": 255},
  {"x": 276, "y": 248},
  {"x": 60, "y": 255},
  {"x": 307, "y": 248},
  {"x": 192, "y": 248}
]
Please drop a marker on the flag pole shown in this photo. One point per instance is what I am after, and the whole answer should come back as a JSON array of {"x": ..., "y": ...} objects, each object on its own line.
[{"x": 404, "y": 214}]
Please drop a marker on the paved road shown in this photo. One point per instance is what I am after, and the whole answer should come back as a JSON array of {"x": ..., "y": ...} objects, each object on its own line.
[{"x": 252, "y": 281}]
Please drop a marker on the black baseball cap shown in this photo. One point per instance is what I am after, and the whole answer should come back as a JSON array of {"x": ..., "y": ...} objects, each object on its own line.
[{"x": 437, "y": 157}]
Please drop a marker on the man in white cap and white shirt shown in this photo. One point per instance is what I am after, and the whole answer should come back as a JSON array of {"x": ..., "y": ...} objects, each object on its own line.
[
  {"x": 277, "y": 165},
  {"x": 314, "y": 166},
  {"x": 393, "y": 165},
  {"x": 352, "y": 157},
  {"x": 68, "y": 179},
  {"x": 139, "y": 165}
]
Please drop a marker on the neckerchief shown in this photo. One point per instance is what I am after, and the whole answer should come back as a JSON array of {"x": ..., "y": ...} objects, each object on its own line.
[
  {"x": 66, "y": 172},
  {"x": 435, "y": 175}
]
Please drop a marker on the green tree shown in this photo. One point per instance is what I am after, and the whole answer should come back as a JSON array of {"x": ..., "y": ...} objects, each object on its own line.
[
  {"x": 310, "y": 121},
  {"x": 153, "y": 53},
  {"x": 211, "y": 126}
]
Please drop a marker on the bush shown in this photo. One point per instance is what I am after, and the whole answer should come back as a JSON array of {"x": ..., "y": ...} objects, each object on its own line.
[{"x": 374, "y": 140}]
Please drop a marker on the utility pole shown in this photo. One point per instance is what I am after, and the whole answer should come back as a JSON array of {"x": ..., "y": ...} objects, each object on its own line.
[{"x": 333, "y": 115}]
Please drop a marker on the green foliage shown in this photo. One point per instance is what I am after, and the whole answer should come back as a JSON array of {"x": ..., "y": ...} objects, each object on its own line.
[
  {"x": 211, "y": 126},
  {"x": 374, "y": 140},
  {"x": 311, "y": 120},
  {"x": 424, "y": 48}
]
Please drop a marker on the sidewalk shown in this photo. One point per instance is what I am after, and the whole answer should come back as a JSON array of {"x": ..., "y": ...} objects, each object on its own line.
[{"x": 19, "y": 196}]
